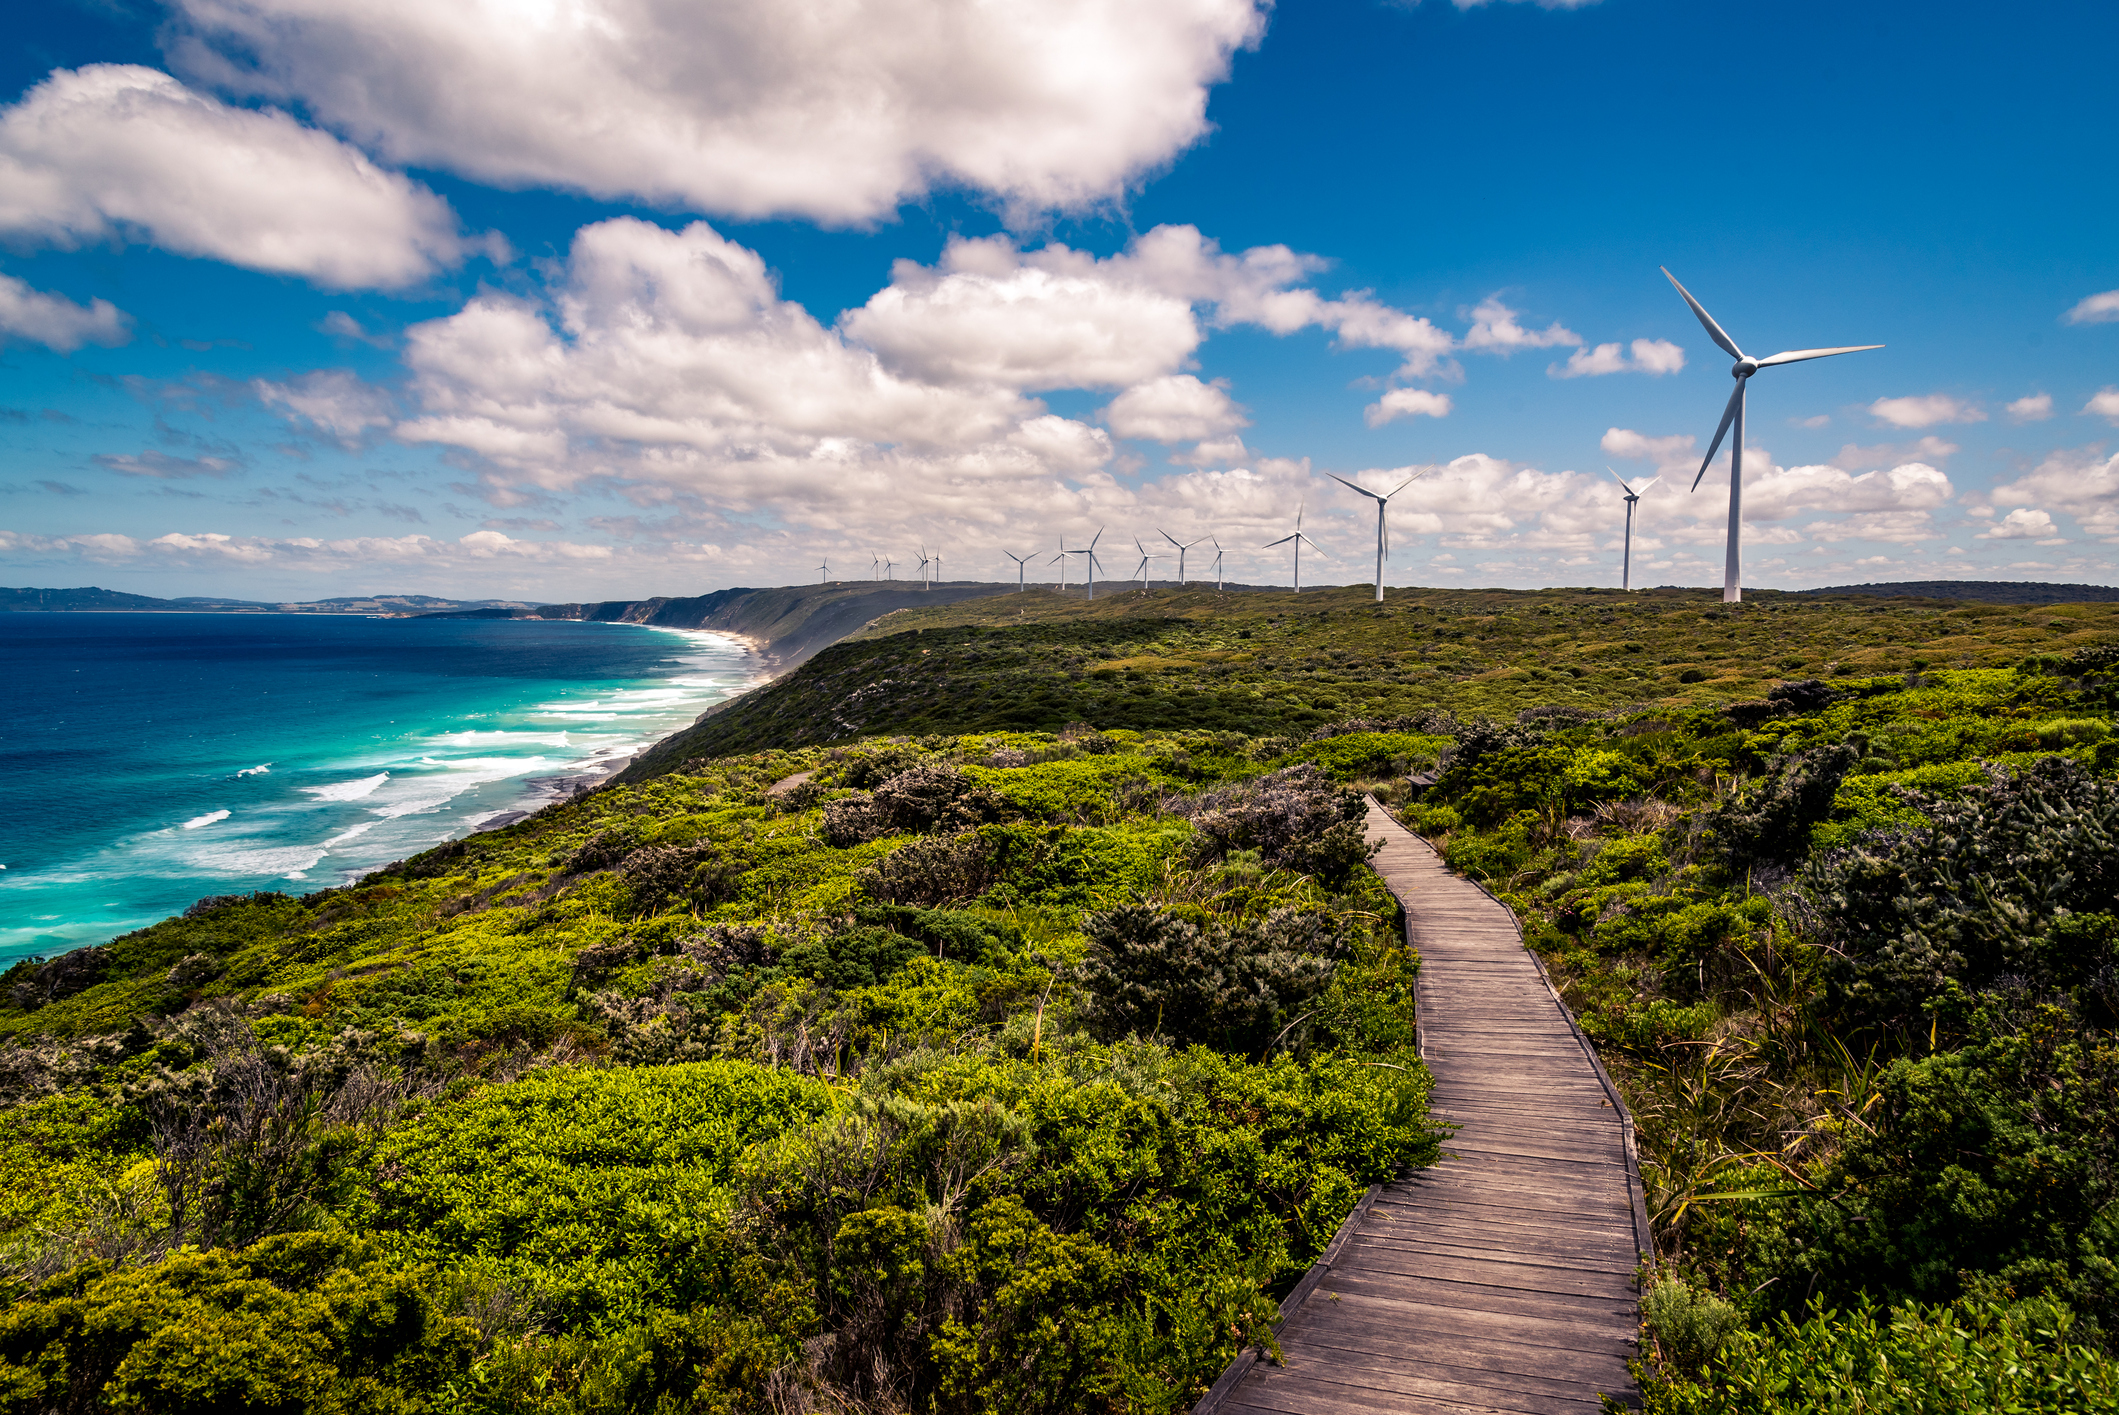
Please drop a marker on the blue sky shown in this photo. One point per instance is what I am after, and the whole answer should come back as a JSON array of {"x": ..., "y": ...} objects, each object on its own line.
[{"x": 357, "y": 296}]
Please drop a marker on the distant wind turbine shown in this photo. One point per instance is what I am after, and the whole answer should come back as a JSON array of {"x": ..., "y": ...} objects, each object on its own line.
[
  {"x": 1300, "y": 540},
  {"x": 875, "y": 566},
  {"x": 1182, "y": 547},
  {"x": 1633, "y": 497},
  {"x": 1741, "y": 371},
  {"x": 889, "y": 568},
  {"x": 1088, "y": 554},
  {"x": 1020, "y": 562},
  {"x": 1145, "y": 556},
  {"x": 1217, "y": 565},
  {"x": 1383, "y": 540},
  {"x": 926, "y": 580},
  {"x": 1061, "y": 561},
  {"x": 823, "y": 571}
]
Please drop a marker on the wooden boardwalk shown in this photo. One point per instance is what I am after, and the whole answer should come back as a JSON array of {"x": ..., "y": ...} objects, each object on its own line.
[{"x": 1502, "y": 1279}]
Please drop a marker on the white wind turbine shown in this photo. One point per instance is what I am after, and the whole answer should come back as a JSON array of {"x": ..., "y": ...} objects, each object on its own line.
[
  {"x": 1182, "y": 547},
  {"x": 1383, "y": 540},
  {"x": 823, "y": 571},
  {"x": 875, "y": 566},
  {"x": 1633, "y": 498},
  {"x": 1061, "y": 561},
  {"x": 1741, "y": 371},
  {"x": 889, "y": 568},
  {"x": 1300, "y": 541},
  {"x": 925, "y": 561},
  {"x": 1217, "y": 564},
  {"x": 938, "y": 576},
  {"x": 1020, "y": 562},
  {"x": 1145, "y": 556},
  {"x": 1088, "y": 553}
]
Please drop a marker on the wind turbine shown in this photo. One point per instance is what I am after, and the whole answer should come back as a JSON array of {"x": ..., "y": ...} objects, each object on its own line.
[
  {"x": 1217, "y": 565},
  {"x": 823, "y": 571},
  {"x": 938, "y": 562},
  {"x": 1300, "y": 540},
  {"x": 875, "y": 566},
  {"x": 1383, "y": 542},
  {"x": 922, "y": 566},
  {"x": 1182, "y": 547},
  {"x": 889, "y": 567},
  {"x": 1741, "y": 371},
  {"x": 1089, "y": 552},
  {"x": 1061, "y": 561},
  {"x": 1020, "y": 562},
  {"x": 1145, "y": 556},
  {"x": 1633, "y": 497}
]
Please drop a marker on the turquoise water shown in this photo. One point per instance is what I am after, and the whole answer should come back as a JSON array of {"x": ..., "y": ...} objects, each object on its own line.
[{"x": 147, "y": 760}]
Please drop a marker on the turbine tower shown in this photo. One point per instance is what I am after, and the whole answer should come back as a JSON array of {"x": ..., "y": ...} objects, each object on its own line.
[
  {"x": 1182, "y": 547},
  {"x": 1299, "y": 540},
  {"x": 938, "y": 562},
  {"x": 925, "y": 561},
  {"x": 1089, "y": 555},
  {"x": 1633, "y": 497},
  {"x": 1061, "y": 561},
  {"x": 1383, "y": 540},
  {"x": 1217, "y": 565},
  {"x": 1741, "y": 371},
  {"x": 889, "y": 568},
  {"x": 823, "y": 571},
  {"x": 1145, "y": 556}
]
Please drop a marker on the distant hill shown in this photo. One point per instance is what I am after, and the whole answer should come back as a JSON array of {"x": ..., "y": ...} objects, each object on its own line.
[
  {"x": 789, "y": 622},
  {"x": 92, "y": 599},
  {"x": 1985, "y": 591}
]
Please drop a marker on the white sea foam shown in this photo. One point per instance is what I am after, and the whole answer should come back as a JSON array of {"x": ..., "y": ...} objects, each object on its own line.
[
  {"x": 255, "y": 770},
  {"x": 208, "y": 819},
  {"x": 349, "y": 790}
]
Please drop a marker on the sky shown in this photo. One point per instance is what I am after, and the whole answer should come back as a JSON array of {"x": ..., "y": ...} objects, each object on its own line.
[{"x": 613, "y": 298}]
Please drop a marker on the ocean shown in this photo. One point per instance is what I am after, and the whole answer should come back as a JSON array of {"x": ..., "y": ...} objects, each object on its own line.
[{"x": 148, "y": 760}]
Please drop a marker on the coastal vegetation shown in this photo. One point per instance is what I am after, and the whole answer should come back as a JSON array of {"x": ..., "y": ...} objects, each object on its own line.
[{"x": 997, "y": 1013}]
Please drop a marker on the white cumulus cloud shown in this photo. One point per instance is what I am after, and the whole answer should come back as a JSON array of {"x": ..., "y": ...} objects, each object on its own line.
[
  {"x": 1495, "y": 329},
  {"x": 1925, "y": 411},
  {"x": 2104, "y": 404},
  {"x": 2021, "y": 524},
  {"x": 1650, "y": 356},
  {"x": 2095, "y": 309},
  {"x": 1406, "y": 403},
  {"x": 1178, "y": 408},
  {"x": 57, "y": 322},
  {"x": 2082, "y": 482},
  {"x": 834, "y": 109},
  {"x": 2032, "y": 408},
  {"x": 118, "y": 151}
]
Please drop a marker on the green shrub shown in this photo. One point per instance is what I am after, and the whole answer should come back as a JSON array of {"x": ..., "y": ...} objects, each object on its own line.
[
  {"x": 1689, "y": 1326},
  {"x": 1968, "y": 1357}
]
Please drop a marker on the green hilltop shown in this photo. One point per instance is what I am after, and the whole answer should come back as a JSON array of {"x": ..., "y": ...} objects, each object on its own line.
[{"x": 996, "y": 1013}]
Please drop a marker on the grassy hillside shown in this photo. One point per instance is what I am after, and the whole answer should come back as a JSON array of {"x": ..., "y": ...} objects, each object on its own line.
[
  {"x": 893, "y": 1041},
  {"x": 1268, "y": 662}
]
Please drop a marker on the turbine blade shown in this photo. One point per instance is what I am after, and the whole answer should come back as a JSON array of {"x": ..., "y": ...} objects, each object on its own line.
[
  {"x": 1168, "y": 537},
  {"x": 1622, "y": 481},
  {"x": 1351, "y": 487},
  {"x": 1095, "y": 538},
  {"x": 1714, "y": 331},
  {"x": 1647, "y": 484},
  {"x": 1728, "y": 417},
  {"x": 1314, "y": 546},
  {"x": 1407, "y": 482},
  {"x": 1271, "y": 543},
  {"x": 1796, "y": 356}
]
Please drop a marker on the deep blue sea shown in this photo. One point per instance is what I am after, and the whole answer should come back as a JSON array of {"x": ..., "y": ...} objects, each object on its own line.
[{"x": 147, "y": 760}]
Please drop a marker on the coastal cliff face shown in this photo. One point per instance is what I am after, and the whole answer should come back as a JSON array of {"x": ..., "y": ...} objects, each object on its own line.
[{"x": 788, "y": 624}]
